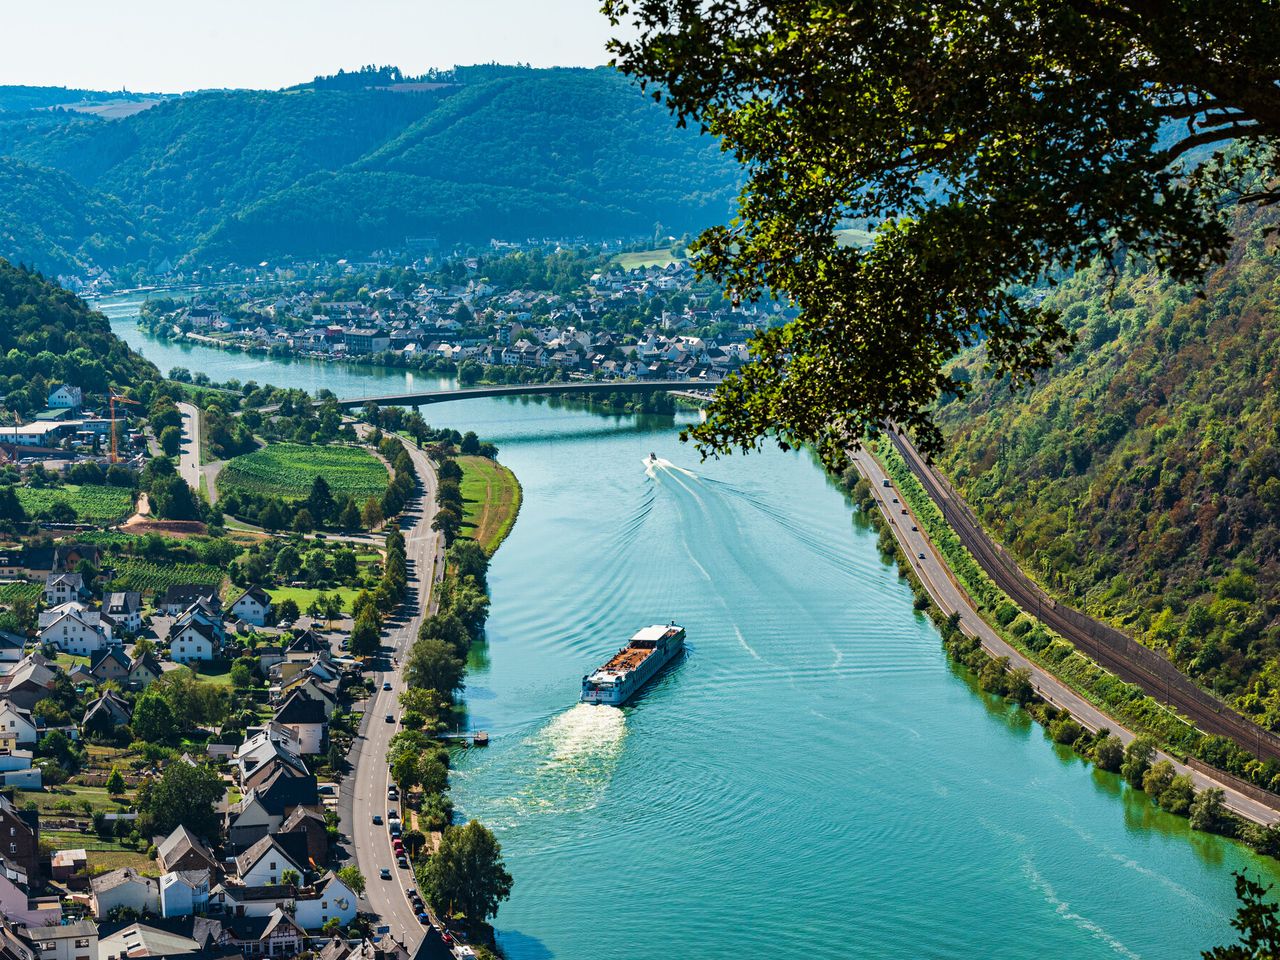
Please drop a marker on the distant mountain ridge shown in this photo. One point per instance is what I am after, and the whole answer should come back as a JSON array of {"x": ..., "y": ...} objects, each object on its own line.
[{"x": 345, "y": 166}]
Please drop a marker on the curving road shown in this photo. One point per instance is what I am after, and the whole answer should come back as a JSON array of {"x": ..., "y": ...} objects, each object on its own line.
[
  {"x": 1122, "y": 655},
  {"x": 928, "y": 565},
  {"x": 365, "y": 790}
]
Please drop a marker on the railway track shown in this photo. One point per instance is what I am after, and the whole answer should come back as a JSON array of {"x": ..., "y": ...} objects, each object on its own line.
[{"x": 1122, "y": 655}]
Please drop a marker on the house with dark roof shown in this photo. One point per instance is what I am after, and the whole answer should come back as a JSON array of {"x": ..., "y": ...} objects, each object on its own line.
[
  {"x": 308, "y": 642},
  {"x": 264, "y": 809},
  {"x": 143, "y": 671},
  {"x": 105, "y": 714},
  {"x": 181, "y": 850},
  {"x": 308, "y": 822},
  {"x": 12, "y": 646},
  {"x": 125, "y": 608},
  {"x": 253, "y": 606},
  {"x": 31, "y": 681},
  {"x": 306, "y": 718},
  {"x": 197, "y": 634},
  {"x": 67, "y": 556},
  {"x": 181, "y": 596},
  {"x": 110, "y": 663}
]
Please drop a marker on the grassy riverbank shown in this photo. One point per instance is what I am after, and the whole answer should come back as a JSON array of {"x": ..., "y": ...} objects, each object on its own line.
[{"x": 490, "y": 501}]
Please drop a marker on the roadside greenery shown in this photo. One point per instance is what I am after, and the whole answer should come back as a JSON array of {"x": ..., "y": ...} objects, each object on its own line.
[
  {"x": 1122, "y": 700},
  {"x": 1173, "y": 793}
]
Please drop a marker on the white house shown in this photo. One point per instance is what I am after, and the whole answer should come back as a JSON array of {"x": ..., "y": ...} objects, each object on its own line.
[
  {"x": 194, "y": 639},
  {"x": 125, "y": 608},
  {"x": 306, "y": 718},
  {"x": 264, "y": 864},
  {"x": 60, "y": 588},
  {"x": 184, "y": 892},
  {"x": 66, "y": 397},
  {"x": 11, "y": 646},
  {"x": 70, "y": 941},
  {"x": 17, "y": 724},
  {"x": 327, "y": 899},
  {"x": 73, "y": 629},
  {"x": 124, "y": 888},
  {"x": 253, "y": 606}
]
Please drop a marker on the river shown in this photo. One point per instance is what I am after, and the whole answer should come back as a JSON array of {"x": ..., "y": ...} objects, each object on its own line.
[{"x": 814, "y": 778}]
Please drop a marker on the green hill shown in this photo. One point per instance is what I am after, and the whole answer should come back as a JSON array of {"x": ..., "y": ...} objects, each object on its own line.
[
  {"x": 52, "y": 223},
  {"x": 49, "y": 335},
  {"x": 184, "y": 165},
  {"x": 331, "y": 168},
  {"x": 556, "y": 152},
  {"x": 1141, "y": 478}
]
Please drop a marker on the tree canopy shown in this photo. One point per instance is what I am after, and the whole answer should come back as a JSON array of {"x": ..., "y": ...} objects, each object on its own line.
[
  {"x": 467, "y": 873},
  {"x": 185, "y": 794},
  {"x": 986, "y": 146}
]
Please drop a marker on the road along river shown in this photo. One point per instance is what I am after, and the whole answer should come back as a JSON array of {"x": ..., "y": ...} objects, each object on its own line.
[{"x": 813, "y": 777}]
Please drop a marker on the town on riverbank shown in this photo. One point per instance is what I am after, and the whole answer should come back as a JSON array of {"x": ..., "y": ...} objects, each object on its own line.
[
  {"x": 503, "y": 317},
  {"x": 198, "y": 656}
]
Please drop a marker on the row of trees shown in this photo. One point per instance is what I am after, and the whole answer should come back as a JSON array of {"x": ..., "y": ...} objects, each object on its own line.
[
  {"x": 1136, "y": 762},
  {"x": 370, "y": 606}
]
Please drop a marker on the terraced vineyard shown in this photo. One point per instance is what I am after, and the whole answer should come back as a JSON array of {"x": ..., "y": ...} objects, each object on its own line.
[
  {"x": 286, "y": 470},
  {"x": 134, "y": 573},
  {"x": 16, "y": 590},
  {"x": 92, "y": 504}
]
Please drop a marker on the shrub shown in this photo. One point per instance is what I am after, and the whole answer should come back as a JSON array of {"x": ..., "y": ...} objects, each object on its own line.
[{"x": 1108, "y": 753}]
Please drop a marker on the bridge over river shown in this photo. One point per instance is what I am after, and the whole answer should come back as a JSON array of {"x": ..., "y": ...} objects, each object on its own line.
[{"x": 527, "y": 389}]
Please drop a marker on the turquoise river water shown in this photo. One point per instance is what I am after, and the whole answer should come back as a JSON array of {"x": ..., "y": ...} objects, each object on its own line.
[{"x": 813, "y": 779}]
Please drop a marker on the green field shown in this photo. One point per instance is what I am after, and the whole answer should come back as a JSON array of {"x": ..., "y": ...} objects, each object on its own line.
[
  {"x": 134, "y": 573},
  {"x": 92, "y": 504},
  {"x": 490, "y": 501},
  {"x": 16, "y": 590},
  {"x": 303, "y": 596},
  {"x": 639, "y": 259},
  {"x": 287, "y": 470}
]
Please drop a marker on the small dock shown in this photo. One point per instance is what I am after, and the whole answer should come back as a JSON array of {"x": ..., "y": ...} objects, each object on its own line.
[{"x": 471, "y": 738}]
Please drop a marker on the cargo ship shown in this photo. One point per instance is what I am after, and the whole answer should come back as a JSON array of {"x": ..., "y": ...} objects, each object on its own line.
[{"x": 634, "y": 665}]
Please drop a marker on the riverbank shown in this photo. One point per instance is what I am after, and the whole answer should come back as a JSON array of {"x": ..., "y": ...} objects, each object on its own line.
[
  {"x": 1004, "y": 667},
  {"x": 888, "y": 757},
  {"x": 491, "y": 501}
]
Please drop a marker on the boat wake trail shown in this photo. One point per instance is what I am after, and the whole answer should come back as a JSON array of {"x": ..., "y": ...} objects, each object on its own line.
[
  {"x": 651, "y": 468},
  {"x": 564, "y": 767}
]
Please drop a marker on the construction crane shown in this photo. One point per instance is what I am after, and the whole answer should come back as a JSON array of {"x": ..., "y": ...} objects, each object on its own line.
[{"x": 114, "y": 399}]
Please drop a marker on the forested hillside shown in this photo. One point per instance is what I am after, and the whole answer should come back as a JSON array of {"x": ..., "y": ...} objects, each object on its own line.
[
  {"x": 1141, "y": 478},
  {"x": 49, "y": 335},
  {"x": 186, "y": 164},
  {"x": 49, "y": 220},
  {"x": 328, "y": 169}
]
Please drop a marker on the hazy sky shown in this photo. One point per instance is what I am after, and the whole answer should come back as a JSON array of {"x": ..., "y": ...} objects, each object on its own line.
[{"x": 176, "y": 45}]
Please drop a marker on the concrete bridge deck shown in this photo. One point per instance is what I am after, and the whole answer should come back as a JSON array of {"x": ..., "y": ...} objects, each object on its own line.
[{"x": 525, "y": 390}]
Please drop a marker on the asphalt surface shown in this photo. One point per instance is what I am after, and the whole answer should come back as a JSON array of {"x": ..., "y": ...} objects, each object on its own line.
[
  {"x": 365, "y": 790},
  {"x": 1126, "y": 658},
  {"x": 189, "y": 460},
  {"x": 947, "y": 594}
]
